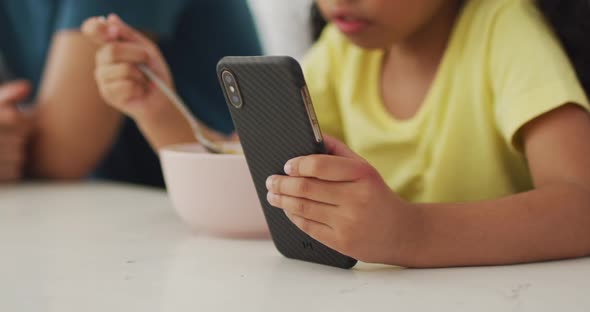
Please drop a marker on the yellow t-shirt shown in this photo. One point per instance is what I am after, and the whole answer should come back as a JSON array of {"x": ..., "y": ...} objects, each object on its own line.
[{"x": 502, "y": 68}]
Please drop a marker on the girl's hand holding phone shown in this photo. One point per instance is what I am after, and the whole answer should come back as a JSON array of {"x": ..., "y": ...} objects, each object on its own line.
[{"x": 342, "y": 201}]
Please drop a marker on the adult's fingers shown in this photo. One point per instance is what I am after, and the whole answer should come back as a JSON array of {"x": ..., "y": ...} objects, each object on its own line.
[{"x": 13, "y": 92}]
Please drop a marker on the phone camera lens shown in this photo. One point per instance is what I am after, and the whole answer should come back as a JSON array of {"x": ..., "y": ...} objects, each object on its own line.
[
  {"x": 228, "y": 78},
  {"x": 232, "y": 89}
]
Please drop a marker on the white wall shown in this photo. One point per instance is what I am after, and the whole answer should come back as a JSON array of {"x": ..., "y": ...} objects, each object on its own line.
[{"x": 283, "y": 25}]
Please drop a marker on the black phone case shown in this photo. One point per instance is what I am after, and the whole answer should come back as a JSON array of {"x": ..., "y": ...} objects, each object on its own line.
[{"x": 274, "y": 127}]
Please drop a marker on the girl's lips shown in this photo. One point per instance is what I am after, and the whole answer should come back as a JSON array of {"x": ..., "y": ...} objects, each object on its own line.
[{"x": 350, "y": 25}]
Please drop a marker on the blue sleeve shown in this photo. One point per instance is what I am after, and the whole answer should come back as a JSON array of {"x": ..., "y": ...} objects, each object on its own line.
[
  {"x": 153, "y": 16},
  {"x": 208, "y": 31}
]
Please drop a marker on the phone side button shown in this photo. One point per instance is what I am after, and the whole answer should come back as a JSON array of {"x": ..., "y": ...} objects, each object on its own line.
[{"x": 311, "y": 114}]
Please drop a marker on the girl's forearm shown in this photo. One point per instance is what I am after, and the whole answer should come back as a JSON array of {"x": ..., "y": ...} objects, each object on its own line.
[
  {"x": 548, "y": 223},
  {"x": 168, "y": 128}
]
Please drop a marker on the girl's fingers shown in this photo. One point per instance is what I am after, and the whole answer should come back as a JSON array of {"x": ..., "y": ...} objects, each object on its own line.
[
  {"x": 327, "y": 167},
  {"x": 325, "y": 192},
  {"x": 102, "y": 31},
  {"x": 122, "y": 52},
  {"x": 316, "y": 230},
  {"x": 304, "y": 208},
  {"x": 97, "y": 30},
  {"x": 337, "y": 148},
  {"x": 121, "y": 71}
]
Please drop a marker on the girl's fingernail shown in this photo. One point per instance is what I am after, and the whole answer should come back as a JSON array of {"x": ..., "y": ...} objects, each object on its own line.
[
  {"x": 288, "y": 168},
  {"x": 268, "y": 183},
  {"x": 272, "y": 198}
]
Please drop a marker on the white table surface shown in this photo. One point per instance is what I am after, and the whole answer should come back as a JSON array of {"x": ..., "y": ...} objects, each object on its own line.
[{"x": 109, "y": 247}]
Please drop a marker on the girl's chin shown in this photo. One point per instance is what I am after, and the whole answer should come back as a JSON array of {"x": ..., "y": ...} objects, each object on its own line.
[{"x": 368, "y": 43}]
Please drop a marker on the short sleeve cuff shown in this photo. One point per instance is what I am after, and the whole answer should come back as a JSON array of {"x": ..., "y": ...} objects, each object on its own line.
[{"x": 533, "y": 105}]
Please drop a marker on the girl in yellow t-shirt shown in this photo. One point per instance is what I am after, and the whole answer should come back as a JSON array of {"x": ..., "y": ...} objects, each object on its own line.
[{"x": 465, "y": 128}]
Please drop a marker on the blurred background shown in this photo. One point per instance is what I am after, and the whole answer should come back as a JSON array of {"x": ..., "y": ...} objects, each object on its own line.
[
  {"x": 284, "y": 26},
  {"x": 50, "y": 104}
]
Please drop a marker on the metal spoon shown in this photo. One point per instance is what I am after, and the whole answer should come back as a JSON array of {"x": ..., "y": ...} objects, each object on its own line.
[
  {"x": 181, "y": 106},
  {"x": 211, "y": 147}
]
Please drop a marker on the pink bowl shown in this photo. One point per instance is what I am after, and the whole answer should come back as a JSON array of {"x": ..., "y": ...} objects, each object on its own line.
[{"x": 213, "y": 193}]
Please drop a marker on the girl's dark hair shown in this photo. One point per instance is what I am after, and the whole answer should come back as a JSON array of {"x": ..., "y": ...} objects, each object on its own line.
[
  {"x": 571, "y": 21},
  {"x": 318, "y": 23}
]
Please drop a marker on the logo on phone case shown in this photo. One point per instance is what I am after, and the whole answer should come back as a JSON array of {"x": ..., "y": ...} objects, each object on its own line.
[{"x": 307, "y": 245}]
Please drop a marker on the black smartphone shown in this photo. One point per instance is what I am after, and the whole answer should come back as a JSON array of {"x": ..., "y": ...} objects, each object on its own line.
[{"x": 273, "y": 114}]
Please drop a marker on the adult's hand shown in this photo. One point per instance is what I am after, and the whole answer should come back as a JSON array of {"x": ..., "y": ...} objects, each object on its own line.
[{"x": 15, "y": 127}]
